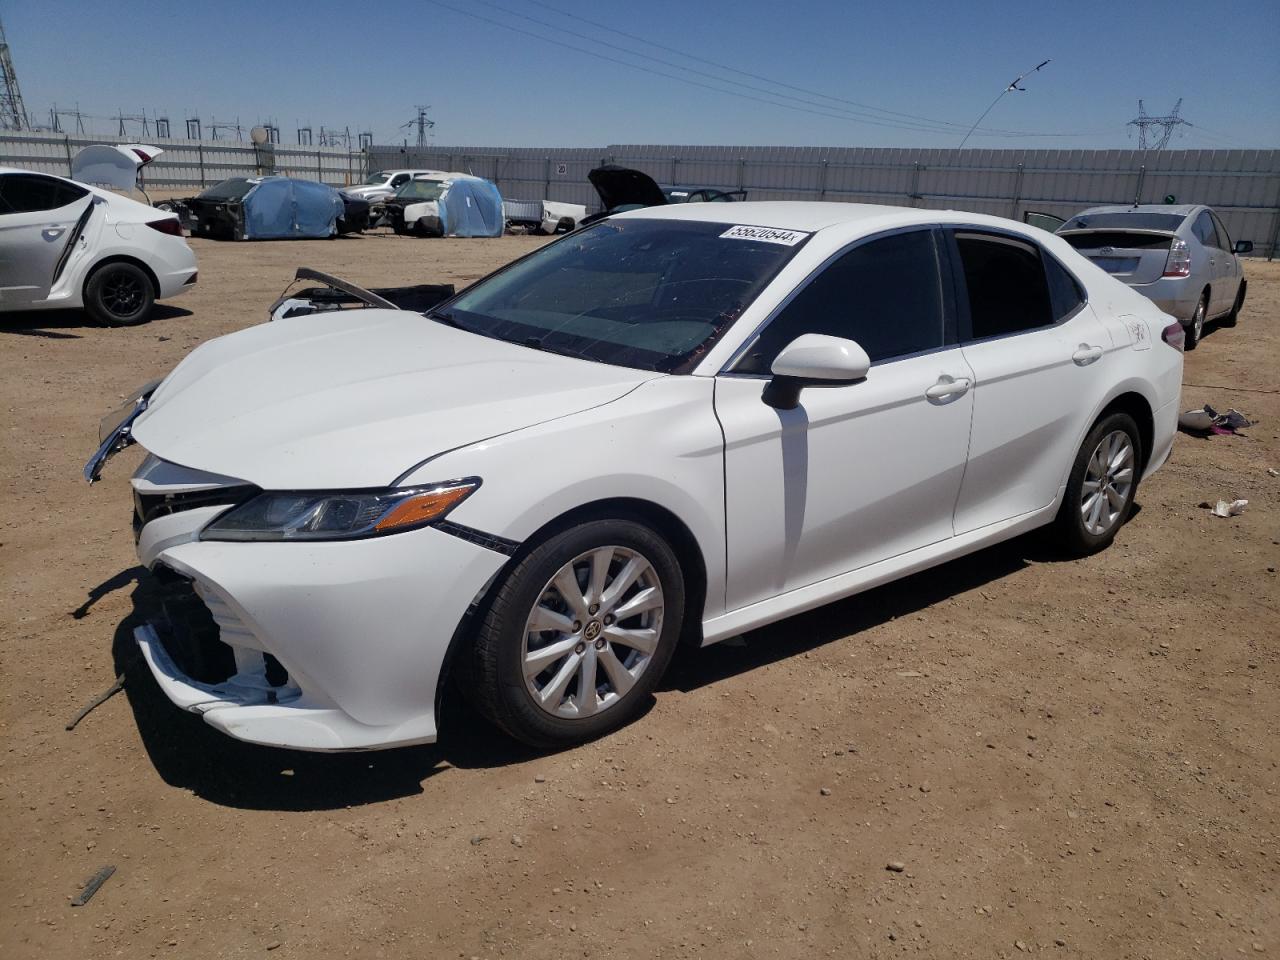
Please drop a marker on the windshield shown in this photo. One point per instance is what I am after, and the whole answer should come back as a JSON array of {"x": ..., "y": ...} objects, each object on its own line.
[
  {"x": 422, "y": 190},
  {"x": 1137, "y": 220},
  {"x": 233, "y": 189},
  {"x": 377, "y": 179},
  {"x": 653, "y": 294}
]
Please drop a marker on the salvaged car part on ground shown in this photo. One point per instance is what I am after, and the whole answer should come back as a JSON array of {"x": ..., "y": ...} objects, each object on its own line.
[
  {"x": 681, "y": 423},
  {"x": 1179, "y": 257},
  {"x": 455, "y": 205},
  {"x": 64, "y": 244},
  {"x": 339, "y": 294},
  {"x": 543, "y": 216}
]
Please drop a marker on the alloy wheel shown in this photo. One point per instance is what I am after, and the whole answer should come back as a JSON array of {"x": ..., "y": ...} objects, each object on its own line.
[
  {"x": 592, "y": 632},
  {"x": 122, "y": 294},
  {"x": 1108, "y": 481},
  {"x": 1197, "y": 321}
]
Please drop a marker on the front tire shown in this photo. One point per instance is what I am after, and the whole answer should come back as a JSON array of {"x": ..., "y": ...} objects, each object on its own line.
[
  {"x": 119, "y": 295},
  {"x": 1101, "y": 487},
  {"x": 578, "y": 634}
]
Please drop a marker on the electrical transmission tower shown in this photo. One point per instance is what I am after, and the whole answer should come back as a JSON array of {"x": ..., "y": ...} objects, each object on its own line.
[
  {"x": 1147, "y": 137},
  {"x": 422, "y": 123},
  {"x": 13, "y": 115}
]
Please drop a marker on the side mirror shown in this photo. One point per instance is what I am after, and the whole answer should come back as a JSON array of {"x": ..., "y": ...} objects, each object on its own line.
[
  {"x": 1244, "y": 246},
  {"x": 813, "y": 360}
]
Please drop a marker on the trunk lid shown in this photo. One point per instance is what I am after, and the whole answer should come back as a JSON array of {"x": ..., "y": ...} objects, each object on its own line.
[
  {"x": 622, "y": 186},
  {"x": 1132, "y": 256}
]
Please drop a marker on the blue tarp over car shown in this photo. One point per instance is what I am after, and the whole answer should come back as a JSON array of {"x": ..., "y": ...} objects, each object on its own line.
[
  {"x": 472, "y": 207},
  {"x": 280, "y": 208}
]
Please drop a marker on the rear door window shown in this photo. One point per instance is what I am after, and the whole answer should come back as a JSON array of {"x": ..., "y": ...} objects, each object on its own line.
[
  {"x": 1224, "y": 239},
  {"x": 885, "y": 294},
  {"x": 1005, "y": 283},
  {"x": 31, "y": 192}
]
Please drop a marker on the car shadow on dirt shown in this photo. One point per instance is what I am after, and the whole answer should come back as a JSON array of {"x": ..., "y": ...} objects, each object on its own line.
[
  {"x": 693, "y": 668},
  {"x": 58, "y": 324}
]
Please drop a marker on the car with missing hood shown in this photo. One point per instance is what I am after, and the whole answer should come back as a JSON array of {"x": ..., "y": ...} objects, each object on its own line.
[
  {"x": 1179, "y": 257},
  {"x": 676, "y": 425},
  {"x": 447, "y": 205}
]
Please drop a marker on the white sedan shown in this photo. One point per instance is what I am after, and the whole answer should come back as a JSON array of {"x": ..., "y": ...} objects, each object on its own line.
[
  {"x": 678, "y": 424},
  {"x": 64, "y": 244}
]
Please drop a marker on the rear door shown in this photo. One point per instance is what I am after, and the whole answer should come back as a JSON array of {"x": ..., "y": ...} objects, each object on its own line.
[
  {"x": 1041, "y": 360},
  {"x": 38, "y": 218}
]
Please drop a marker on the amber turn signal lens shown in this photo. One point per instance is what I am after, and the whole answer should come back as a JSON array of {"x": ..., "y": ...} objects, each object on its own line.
[{"x": 425, "y": 507}]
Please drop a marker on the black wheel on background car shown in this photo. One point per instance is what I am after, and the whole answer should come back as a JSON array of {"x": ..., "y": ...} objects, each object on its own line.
[
  {"x": 578, "y": 634},
  {"x": 1101, "y": 487},
  {"x": 1233, "y": 317},
  {"x": 119, "y": 295},
  {"x": 1195, "y": 329}
]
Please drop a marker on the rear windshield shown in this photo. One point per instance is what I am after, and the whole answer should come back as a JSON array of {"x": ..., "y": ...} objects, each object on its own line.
[
  {"x": 653, "y": 294},
  {"x": 1116, "y": 238},
  {"x": 233, "y": 189},
  {"x": 1137, "y": 220},
  {"x": 421, "y": 190}
]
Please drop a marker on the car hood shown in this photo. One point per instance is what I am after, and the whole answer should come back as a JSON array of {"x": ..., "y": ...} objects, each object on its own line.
[
  {"x": 369, "y": 190},
  {"x": 358, "y": 397},
  {"x": 619, "y": 186}
]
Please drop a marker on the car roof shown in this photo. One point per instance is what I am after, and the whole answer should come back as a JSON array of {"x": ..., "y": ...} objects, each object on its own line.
[
  {"x": 1184, "y": 209},
  {"x": 812, "y": 215}
]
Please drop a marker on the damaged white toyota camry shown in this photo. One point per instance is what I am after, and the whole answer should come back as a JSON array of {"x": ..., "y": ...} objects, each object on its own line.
[{"x": 682, "y": 422}]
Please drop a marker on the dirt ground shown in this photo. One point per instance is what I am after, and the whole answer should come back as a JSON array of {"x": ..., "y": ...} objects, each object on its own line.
[{"x": 1075, "y": 758}]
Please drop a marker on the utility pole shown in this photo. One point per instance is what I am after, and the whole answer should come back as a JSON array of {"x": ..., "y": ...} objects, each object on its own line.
[
  {"x": 56, "y": 115},
  {"x": 13, "y": 114},
  {"x": 1147, "y": 138}
]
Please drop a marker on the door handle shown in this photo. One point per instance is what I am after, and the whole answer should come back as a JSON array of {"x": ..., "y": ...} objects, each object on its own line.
[
  {"x": 1085, "y": 355},
  {"x": 948, "y": 388},
  {"x": 53, "y": 231}
]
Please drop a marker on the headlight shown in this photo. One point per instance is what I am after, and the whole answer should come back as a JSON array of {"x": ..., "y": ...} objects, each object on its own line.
[{"x": 339, "y": 514}]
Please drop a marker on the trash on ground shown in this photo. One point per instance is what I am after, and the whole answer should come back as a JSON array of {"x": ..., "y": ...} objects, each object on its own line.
[
  {"x": 95, "y": 882},
  {"x": 98, "y": 701},
  {"x": 1232, "y": 509},
  {"x": 1208, "y": 420},
  {"x": 1272, "y": 471}
]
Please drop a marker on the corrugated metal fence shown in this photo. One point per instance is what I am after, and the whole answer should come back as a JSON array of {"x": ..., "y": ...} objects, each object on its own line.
[
  {"x": 190, "y": 164},
  {"x": 1242, "y": 185}
]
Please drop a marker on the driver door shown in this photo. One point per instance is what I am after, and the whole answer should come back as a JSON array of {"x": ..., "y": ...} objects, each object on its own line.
[
  {"x": 857, "y": 473},
  {"x": 38, "y": 217}
]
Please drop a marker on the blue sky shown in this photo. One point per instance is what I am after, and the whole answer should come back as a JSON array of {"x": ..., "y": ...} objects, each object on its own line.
[{"x": 366, "y": 66}]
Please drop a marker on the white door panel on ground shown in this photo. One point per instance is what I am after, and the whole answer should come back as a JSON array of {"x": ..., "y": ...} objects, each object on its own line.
[
  {"x": 1033, "y": 392},
  {"x": 853, "y": 475}
]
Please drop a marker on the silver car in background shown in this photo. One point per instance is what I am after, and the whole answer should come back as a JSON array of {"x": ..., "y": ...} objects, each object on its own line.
[{"x": 1179, "y": 257}]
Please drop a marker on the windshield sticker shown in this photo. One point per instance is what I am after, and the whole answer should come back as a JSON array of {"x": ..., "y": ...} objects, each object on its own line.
[{"x": 788, "y": 238}]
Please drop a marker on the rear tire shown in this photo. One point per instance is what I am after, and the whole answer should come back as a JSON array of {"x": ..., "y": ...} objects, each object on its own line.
[
  {"x": 119, "y": 295},
  {"x": 1195, "y": 329},
  {"x": 1233, "y": 317},
  {"x": 1101, "y": 487},
  {"x": 581, "y": 631}
]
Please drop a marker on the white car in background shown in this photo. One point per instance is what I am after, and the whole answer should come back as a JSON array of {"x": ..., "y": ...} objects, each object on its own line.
[
  {"x": 378, "y": 186},
  {"x": 67, "y": 245},
  {"x": 682, "y": 422}
]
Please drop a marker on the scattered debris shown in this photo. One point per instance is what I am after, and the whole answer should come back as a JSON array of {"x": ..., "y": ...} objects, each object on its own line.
[
  {"x": 825, "y": 791},
  {"x": 539, "y": 779},
  {"x": 909, "y": 674},
  {"x": 98, "y": 701},
  {"x": 476, "y": 841},
  {"x": 94, "y": 884},
  {"x": 1273, "y": 472},
  {"x": 1232, "y": 509},
  {"x": 1207, "y": 420},
  {"x": 895, "y": 866}
]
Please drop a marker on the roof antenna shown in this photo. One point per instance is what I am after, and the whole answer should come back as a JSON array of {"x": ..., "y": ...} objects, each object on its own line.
[{"x": 1011, "y": 87}]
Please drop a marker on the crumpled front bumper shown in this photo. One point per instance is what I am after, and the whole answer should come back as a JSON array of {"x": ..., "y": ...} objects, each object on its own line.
[{"x": 334, "y": 646}]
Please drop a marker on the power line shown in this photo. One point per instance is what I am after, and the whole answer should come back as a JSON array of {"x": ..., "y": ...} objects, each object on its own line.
[
  {"x": 697, "y": 83},
  {"x": 1009, "y": 89},
  {"x": 779, "y": 83}
]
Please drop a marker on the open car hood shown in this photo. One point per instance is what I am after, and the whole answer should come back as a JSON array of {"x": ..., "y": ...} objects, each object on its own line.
[
  {"x": 355, "y": 398},
  {"x": 619, "y": 186}
]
